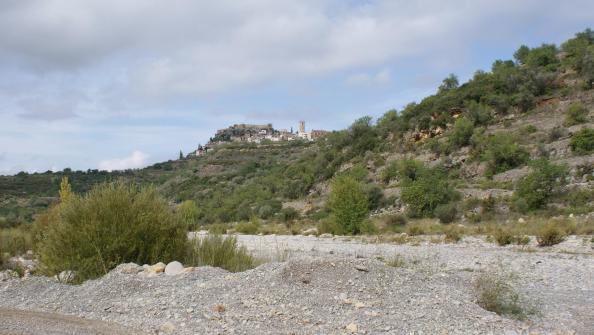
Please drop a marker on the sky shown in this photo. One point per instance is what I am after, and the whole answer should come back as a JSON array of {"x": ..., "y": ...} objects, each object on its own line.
[{"x": 116, "y": 84}]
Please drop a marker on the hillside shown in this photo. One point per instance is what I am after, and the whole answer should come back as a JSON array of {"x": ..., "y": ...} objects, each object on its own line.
[{"x": 472, "y": 144}]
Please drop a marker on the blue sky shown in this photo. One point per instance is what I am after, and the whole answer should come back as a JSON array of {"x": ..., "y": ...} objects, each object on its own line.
[{"x": 116, "y": 84}]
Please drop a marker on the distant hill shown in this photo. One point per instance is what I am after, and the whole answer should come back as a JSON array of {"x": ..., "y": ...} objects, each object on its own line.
[{"x": 482, "y": 135}]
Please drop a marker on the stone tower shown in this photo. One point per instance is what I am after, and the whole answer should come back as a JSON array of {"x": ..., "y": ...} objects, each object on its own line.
[{"x": 302, "y": 126}]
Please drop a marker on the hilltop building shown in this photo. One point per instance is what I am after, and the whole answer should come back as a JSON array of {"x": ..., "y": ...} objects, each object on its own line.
[{"x": 256, "y": 133}]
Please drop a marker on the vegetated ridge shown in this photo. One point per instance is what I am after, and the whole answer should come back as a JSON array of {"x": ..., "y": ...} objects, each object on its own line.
[{"x": 515, "y": 140}]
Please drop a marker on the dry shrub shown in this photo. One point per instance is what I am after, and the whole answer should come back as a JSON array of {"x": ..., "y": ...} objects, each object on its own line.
[
  {"x": 550, "y": 234},
  {"x": 495, "y": 293}
]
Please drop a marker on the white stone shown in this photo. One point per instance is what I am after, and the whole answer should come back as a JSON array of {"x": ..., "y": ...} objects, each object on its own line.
[
  {"x": 66, "y": 276},
  {"x": 352, "y": 328},
  {"x": 174, "y": 268}
]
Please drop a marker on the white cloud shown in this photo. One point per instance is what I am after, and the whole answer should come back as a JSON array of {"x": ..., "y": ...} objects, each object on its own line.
[
  {"x": 366, "y": 79},
  {"x": 136, "y": 160}
]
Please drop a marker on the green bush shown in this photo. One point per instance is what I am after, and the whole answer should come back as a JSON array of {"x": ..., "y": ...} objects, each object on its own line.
[
  {"x": 576, "y": 113},
  {"x": 250, "y": 228},
  {"x": 395, "y": 220},
  {"x": 14, "y": 242},
  {"x": 503, "y": 153},
  {"x": 348, "y": 203},
  {"x": 424, "y": 189},
  {"x": 550, "y": 234},
  {"x": 289, "y": 214},
  {"x": 537, "y": 187},
  {"x": 114, "y": 223},
  {"x": 446, "y": 213},
  {"x": 582, "y": 142},
  {"x": 219, "y": 251},
  {"x": 503, "y": 236},
  {"x": 189, "y": 213},
  {"x": 460, "y": 135}
]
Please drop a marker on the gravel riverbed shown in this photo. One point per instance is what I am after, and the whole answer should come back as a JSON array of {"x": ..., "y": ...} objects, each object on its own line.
[{"x": 332, "y": 285}]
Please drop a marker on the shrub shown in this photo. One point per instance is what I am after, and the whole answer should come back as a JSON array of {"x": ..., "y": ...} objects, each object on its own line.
[
  {"x": 582, "y": 142},
  {"x": 289, "y": 214},
  {"x": 463, "y": 130},
  {"x": 348, "y": 203},
  {"x": 394, "y": 220},
  {"x": 114, "y": 223},
  {"x": 250, "y": 228},
  {"x": 13, "y": 242},
  {"x": 550, "y": 234},
  {"x": 446, "y": 213},
  {"x": 556, "y": 133},
  {"x": 576, "y": 113},
  {"x": 189, "y": 213},
  {"x": 503, "y": 236},
  {"x": 415, "y": 229},
  {"x": 537, "y": 187},
  {"x": 428, "y": 189},
  {"x": 389, "y": 172},
  {"x": 495, "y": 293},
  {"x": 503, "y": 153},
  {"x": 453, "y": 233},
  {"x": 219, "y": 251}
]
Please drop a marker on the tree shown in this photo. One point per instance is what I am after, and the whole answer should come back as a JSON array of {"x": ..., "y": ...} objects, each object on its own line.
[
  {"x": 537, "y": 187},
  {"x": 348, "y": 204},
  {"x": 587, "y": 67},
  {"x": 181, "y": 155},
  {"x": 521, "y": 55},
  {"x": 449, "y": 83}
]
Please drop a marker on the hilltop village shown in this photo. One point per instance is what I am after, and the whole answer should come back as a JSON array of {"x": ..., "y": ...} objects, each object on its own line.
[{"x": 257, "y": 133}]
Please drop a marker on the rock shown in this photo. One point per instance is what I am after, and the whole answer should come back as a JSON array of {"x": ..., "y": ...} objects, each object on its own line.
[
  {"x": 167, "y": 328},
  {"x": 352, "y": 328},
  {"x": 128, "y": 268},
  {"x": 219, "y": 308},
  {"x": 361, "y": 268},
  {"x": 326, "y": 235},
  {"x": 8, "y": 274},
  {"x": 521, "y": 220},
  {"x": 174, "y": 268},
  {"x": 310, "y": 231},
  {"x": 359, "y": 305},
  {"x": 156, "y": 268},
  {"x": 66, "y": 276}
]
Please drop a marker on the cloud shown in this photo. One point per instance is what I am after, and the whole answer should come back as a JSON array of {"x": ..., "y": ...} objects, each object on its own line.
[
  {"x": 366, "y": 79},
  {"x": 137, "y": 159}
]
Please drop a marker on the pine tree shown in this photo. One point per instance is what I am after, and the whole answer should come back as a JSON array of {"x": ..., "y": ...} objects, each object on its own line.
[{"x": 181, "y": 155}]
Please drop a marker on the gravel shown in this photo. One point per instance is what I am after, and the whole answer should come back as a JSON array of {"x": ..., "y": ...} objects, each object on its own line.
[{"x": 333, "y": 286}]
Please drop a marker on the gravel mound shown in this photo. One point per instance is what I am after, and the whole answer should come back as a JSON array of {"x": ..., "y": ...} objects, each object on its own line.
[{"x": 333, "y": 294}]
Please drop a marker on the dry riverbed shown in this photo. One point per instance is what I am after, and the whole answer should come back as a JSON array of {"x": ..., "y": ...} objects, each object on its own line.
[{"x": 331, "y": 286}]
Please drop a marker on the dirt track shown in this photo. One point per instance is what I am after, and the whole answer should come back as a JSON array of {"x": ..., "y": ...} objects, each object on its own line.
[{"x": 13, "y": 322}]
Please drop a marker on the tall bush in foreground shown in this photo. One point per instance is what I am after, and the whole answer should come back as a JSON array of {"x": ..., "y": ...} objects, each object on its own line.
[
  {"x": 114, "y": 223},
  {"x": 348, "y": 204}
]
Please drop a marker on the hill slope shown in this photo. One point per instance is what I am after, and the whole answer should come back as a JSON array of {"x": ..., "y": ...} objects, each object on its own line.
[{"x": 477, "y": 139}]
